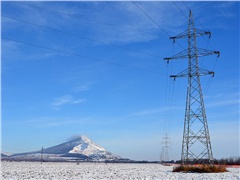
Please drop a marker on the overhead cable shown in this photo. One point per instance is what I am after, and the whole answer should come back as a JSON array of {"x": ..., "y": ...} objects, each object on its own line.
[
  {"x": 78, "y": 55},
  {"x": 199, "y": 24},
  {"x": 180, "y": 10},
  {"x": 78, "y": 36},
  {"x": 83, "y": 18},
  {"x": 154, "y": 21}
]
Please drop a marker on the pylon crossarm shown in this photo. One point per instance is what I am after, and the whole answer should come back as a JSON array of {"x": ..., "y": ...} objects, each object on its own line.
[
  {"x": 199, "y": 53},
  {"x": 206, "y": 52},
  {"x": 198, "y": 72},
  {"x": 194, "y": 32},
  {"x": 181, "y": 55}
]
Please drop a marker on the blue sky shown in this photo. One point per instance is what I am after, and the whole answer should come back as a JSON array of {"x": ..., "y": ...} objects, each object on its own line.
[{"x": 97, "y": 69}]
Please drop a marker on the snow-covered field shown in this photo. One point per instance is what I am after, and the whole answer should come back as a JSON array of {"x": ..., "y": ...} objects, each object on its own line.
[{"x": 36, "y": 170}]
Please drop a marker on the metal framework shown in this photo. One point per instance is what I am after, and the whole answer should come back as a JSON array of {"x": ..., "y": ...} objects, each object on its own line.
[
  {"x": 196, "y": 145},
  {"x": 42, "y": 156},
  {"x": 165, "y": 146}
]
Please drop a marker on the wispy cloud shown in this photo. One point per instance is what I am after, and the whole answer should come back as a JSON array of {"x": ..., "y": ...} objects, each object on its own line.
[
  {"x": 64, "y": 100},
  {"x": 224, "y": 102},
  {"x": 219, "y": 95},
  {"x": 52, "y": 121},
  {"x": 9, "y": 47},
  {"x": 224, "y": 6},
  {"x": 154, "y": 111},
  {"x": 133, "y": 18},
  {"x": 82, "y": 87}
]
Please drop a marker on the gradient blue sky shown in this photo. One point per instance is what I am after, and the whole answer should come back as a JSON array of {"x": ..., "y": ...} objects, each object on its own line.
[{"x": 120, "y": 96}]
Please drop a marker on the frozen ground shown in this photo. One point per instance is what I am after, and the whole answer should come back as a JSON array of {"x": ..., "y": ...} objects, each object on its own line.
[{"x": 36, "y": 170}]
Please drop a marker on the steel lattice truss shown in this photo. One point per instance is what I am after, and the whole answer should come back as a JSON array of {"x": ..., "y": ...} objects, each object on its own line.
[
  {"x": 196, "y": 145},
  {"x": 165, "y": 146}
]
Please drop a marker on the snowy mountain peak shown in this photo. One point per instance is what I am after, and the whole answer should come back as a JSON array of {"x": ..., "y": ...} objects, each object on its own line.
[
  {"x": 88, "y": 148},
  {"x": 81, "y": 138},
  {"x": 80, "y": 147},
  {"x": 85, "y": 139}
]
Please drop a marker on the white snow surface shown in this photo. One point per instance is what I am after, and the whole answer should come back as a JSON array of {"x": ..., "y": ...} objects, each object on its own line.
[
  {"x": 87, "y": 147},
  {"x": 64, "y": 171}
]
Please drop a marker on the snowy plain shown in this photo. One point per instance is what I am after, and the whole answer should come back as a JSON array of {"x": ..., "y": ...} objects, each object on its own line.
[{"x": 57, "y": 170}]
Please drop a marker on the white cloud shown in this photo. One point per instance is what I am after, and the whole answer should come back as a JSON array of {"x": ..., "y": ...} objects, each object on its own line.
[
  {"x": 53, "y": 121},
  {"x": 153, "y": 111},
  {"x": 135, "y": 20},
  {"x": 78, "y": 101},
  {"x": 223, "y": 99},
  {"x": 67, "y": 99},
  {"x": 118, "y": 14},
  {"x": 9, "y": 47},
  {"x": 224, "y": 102},
  {"x": 82, "y": 87}
]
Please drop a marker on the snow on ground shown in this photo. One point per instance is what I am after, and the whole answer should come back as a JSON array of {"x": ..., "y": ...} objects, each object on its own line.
[{"x": 55, "y": 170}]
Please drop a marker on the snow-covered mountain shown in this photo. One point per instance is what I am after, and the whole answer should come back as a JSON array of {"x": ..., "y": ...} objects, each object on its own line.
[
  {"x": 5, "y": 154},
  {"x": 88, "y": 148},
  {"x": 81, "y": 148}
]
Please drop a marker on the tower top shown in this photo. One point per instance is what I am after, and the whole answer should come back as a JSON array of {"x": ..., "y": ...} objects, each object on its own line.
[{"x": 190, "y": 13}]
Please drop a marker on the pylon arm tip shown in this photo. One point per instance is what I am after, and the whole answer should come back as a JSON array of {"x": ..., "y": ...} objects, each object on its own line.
[
  {"x": 173, "y": 76},
  {"x": 217, "y": 52},
  {"x": 167, "y": 59},
  {"x": 173, "y": 38},
  {"x": 209, "y": 34},
  {"x": 213, "y": 73}
]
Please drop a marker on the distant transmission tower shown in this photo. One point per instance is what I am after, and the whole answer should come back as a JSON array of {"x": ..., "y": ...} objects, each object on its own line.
[
  {"x": 165, "y": 146},
  {"x": 42, "y": 156},
  {"x": 196, "y": 145}
]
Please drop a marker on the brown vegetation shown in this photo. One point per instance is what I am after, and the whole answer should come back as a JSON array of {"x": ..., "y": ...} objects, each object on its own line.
[
  {"x": 234, "y": 160},
  {"x": 201, "y": 168}
]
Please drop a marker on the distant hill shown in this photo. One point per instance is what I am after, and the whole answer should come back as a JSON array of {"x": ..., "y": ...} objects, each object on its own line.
[
  {"x": 78, "y": 149},
  {"x": 3, "y": 154}
]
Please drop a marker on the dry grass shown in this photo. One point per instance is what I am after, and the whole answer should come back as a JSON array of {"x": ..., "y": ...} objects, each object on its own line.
[{"x": 201, "y": 168}]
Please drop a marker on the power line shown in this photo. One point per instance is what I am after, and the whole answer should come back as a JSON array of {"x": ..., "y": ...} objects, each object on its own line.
[
  {"x": 154, "y": 21},
  {"x": 168, "y": 114},
  {"x": 208, "y": 43},
  {"x": 84, "y": 18},
  {"x": 169, "y": 99},
  {"x": 82, "y": 56},
  {"x": 180, "y": 10},
  {"x": 207, "y": 40},
  {"x": 151, "y": 18},
  {"x": 199, "y": 24},
  {"x": 187, "y": 19},
  {"x": 78, "y": 36}
]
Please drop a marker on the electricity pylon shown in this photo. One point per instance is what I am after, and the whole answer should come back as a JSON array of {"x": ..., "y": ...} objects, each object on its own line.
[
  {"x": 42, "y": 156},
  {"x": 165, "y": 146},
  {"x": 196, "y": 145}
]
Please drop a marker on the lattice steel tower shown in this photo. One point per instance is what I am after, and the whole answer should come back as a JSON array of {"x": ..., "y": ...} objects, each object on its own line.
[
  {"x": 196, "y": 145},
  {"x": 165, "y": 146}
]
